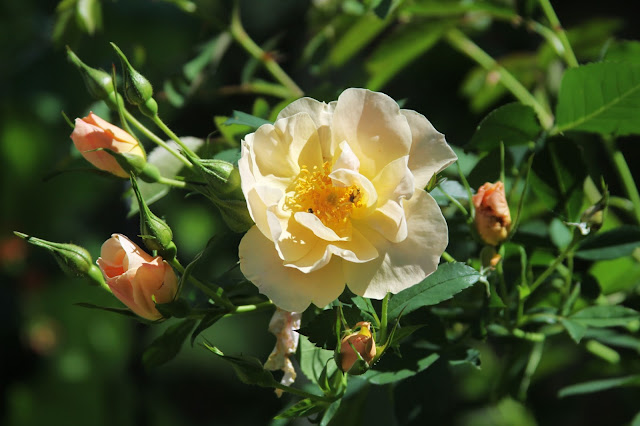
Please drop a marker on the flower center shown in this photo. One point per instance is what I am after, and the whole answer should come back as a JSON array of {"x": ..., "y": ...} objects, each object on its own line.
[{"x": 314, "y": 192}]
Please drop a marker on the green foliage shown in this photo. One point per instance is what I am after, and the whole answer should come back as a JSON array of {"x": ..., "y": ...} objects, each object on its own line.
[
  {"x": 511, "y": 124},
  {"x": 601, "y": 97},
  {"x": 447, "y": 281},
  {"x": 167, "y": 346},
  {"x": 611, "y": 244}
]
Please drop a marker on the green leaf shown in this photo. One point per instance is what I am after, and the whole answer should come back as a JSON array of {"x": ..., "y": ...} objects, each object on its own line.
[
  {"x": 121, "y": 311},
  {"x": 612, "y": 338},
  {"x": 447, "y": 281},
  {"x": 197, "y": 70},
  {"x": 398, "y": 50},
  {"x": 602, "y": 97},
  {"x": 366, "y": 309},
  {"x": 623, "y": 51},
  {"x": 618, "y": 242},
  {"x": 605, "y": 316},
  {"x": 245, "y": 119},
  {"x": 358, "y": 35},
  {"x": 178, "y": 308},
  {"x": 206, "y": 322},
  {"x": 330, "y": 413},
  {"x": 168, "y": 165},
  {"x": 302, "y": 408},
  {"x": 599, "y": 385},
  {"x": 558, "y": 176},
  {"x": 511, "y": 124},
  {"x": 378, "y": 377},
  {"x": 248, "y": 369},
  {"x": 575, "y": 329},
  {"x": 313, "y": 359},
  {"x": 320, "y": 330},
  {"x": 89, "y": 15},
  {"x": 167, "y": 346}
]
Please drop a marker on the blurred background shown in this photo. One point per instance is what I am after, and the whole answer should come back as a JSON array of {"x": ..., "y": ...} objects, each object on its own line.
[{"x": 61, "y": 364}]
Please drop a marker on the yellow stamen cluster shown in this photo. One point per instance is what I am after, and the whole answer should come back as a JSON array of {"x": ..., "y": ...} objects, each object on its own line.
[{"x": 314, "y": 192}]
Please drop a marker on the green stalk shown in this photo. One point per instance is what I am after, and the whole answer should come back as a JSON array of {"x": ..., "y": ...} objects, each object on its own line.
[
  {"x": 155, "y": 139},
  {"x": 446, "y": 256},
  {"x": 302, "y": 393},
  {"x": 569, "y": 56},
  {"x": 172, "y": 182},
  {"x": 625, "y": 175},
  {"x": 258, "y": 87},
  {"x": 383, "y": 319},
  {"x": 462, "y": 43},
  {"x": 558, "y": 260},
  {"x": 156, "y": 119},
  {"x": 241, "y": 36},
  {"x": 215, "y": 293}
]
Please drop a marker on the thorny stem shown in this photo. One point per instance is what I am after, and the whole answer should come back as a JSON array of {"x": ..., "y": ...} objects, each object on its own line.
[
  {"x": 241, "y": 36},
  {"x": 461, "y": 42}
]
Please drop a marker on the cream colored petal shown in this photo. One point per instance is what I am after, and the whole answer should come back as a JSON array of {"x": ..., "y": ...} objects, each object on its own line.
[
  {"x": 279, "y": 150},
  {"x": 430, "y": 153},
  {"x": 292, "y": 240},
  {"x": 394, "y": 182},
  {"x": 389, "y": 220},
  {"x": 288, "y": 288},
  {"x": 313, "y": 223},
  {"x": 368, "y": 192},
  {"x": 358, "y": 249},
  {"x": 373, "y": 126},
  {"x": 346, "y": 158},
  {"x": 134, "y": 255},
  {"x": 259, "y": 199},
  {"x": 321, "y": 114},
  {"x": 404, "y": 264}
]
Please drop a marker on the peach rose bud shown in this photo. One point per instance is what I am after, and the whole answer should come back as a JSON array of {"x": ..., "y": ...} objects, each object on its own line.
[
  {"x": 92, "y": 132},
  {"x": 493, "y": 220},
  {"x": 361, "y": 342},
  {"x": 136, "y": 278}
]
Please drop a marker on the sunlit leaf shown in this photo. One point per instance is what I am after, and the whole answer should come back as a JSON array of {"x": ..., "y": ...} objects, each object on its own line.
[
  {"x": 243, "y": 118},
  {"x": 447, "y": 281},
  {"x": 511, "y": 124},
  {"x": 601, "y": 97}
]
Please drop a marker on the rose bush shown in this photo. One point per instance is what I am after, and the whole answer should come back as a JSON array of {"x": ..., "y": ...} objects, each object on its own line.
[
  {"x": 92, "y": 132},
  {"x": 135, "y": 277},
  {"x": 337, "y": 195}
]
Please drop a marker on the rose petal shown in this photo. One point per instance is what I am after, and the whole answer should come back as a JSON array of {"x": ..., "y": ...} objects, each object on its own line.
[
  {"x": 429, "y": 151},
  {"x": 373, "y": 126},
  {"x": 293, "y": 290},
  {"x": 403, "y": 264}
]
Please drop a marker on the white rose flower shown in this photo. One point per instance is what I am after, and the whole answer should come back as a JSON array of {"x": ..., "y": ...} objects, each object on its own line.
[{"x": 337, "y": 194}]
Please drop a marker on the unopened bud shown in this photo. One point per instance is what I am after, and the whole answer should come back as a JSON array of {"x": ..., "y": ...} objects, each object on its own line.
[
  {"x": 222, "y": 187},
  {"x": 155, "y": 232},
  {"x": 137, "y": 89},
  {"x": 99, "y": 83},
  {"x": 357, "y": 350},
  {"x": 72, "y": 259},
  {"x": 493, "y": 219}
]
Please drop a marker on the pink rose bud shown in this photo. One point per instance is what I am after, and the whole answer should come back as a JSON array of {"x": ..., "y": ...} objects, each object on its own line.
[
  {"x": 362, "y": 342},
  {"x": 135, "y": 277},
  {"x": 493, "y": 220},
  {"x": 92, "y": 132}
]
